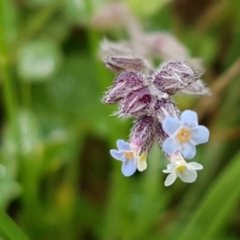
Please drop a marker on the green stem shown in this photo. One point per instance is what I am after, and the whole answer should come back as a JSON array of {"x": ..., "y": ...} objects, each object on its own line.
[
  {"x": 9, "y": 230},
  {"x": 26, "y": 94},
  {"x": 89, "y": 6},
  {"x": 94, "y": 40},
  {"x": 9, "y": 97},
  {"x": 8, "y": 93},
  {"x": 38, "y": 21}
]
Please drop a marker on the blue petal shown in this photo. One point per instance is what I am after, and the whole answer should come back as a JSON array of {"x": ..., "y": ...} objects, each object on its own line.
[
  {"x": 189, "y": 119},
  {"x": 117, "y": 155},
  {"x": 188, "y": 150},
  {"x": 200, "y": 135},
  {"x": 129, "y": 168},
  {"x": 170, "y": 145},
  {"x": 123, "y": 146},
  {"x": 171, "y": 125}
]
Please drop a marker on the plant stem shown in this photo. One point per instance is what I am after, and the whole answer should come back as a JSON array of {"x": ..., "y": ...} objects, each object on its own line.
[
  {"x": 9, "y": 97},
  {"x": 9, "y": 229}
]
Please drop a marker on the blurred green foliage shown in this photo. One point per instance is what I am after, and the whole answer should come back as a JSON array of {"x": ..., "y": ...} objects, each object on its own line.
[{"x": 57, "y": 180}]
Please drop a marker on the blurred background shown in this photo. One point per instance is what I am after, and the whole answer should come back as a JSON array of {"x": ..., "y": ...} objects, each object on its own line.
[{"x": 57, "y": 179}]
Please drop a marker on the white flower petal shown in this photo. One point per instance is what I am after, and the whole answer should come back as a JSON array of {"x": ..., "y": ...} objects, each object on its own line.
[
  {"x": 188, "y": 150},
  {"x": 189, "y": 119},
  {"x": 123, "y": 146},
  {"x": 194, "y": 166},
  {"x": 200, "y": 135},
  {"x": 117, "y": 155},
  {"x": 170, "y": 145},
  {"x": 129, "y": 168},
  {"x": 170, "y": 125},
  {"x": 141, "y": 165},
  {"x": 170, "y": 167},
  {"x": 187, "y": 175},
  {"x": 142, "y": 162},
  {"x": 170, "y": 179}
]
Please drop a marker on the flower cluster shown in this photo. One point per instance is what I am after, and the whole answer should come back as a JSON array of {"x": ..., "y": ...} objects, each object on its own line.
[{"x": 146, "y": 95}]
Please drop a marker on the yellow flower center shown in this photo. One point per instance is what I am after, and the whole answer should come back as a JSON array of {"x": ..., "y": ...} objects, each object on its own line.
[
  {"x": 129, "y": 155},
  {"x": 183, "y": 135},
  {"x": 143, "y": 157},
  {"x": 180, "y": 168}
]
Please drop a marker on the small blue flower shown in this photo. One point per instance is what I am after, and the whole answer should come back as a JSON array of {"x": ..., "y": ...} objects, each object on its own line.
[
  {"x": 184, "y": 134},
  {"x": 127, "y": 156}
]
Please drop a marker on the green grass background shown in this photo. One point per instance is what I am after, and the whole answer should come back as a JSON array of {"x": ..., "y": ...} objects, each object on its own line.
[{"x": 57, "y": 180}]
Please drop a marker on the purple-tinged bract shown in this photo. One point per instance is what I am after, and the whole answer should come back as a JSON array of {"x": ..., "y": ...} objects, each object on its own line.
[
  {"x": 123, "y": 85},
  {"x": 136, "y": 103},
  {"x": 174, "y": 76},
  {"x": 165, "y": 107},
  {"x": 143, "y": 134}
]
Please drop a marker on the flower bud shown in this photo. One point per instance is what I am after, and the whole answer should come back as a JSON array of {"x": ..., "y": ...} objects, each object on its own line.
[
  {"x": 143, "y": 134},
  {"x": 119, "y": 57},
  {"x": 165, "y": 46}
]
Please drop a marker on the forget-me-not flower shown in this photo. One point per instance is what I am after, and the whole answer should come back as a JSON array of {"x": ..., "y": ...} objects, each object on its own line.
[
  {"x": 184, "y": 134},
  {"x": 144, "y": 93},
  {"x": 180, "y": 168},
  {"x": 127, "y": 156}
]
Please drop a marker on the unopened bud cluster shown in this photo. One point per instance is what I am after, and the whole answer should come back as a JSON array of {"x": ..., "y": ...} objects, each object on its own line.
[{"x": 146, "y": 95}]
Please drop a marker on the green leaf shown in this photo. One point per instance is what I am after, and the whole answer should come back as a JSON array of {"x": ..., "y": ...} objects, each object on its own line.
[
  {"x": 81, "y": 10},
  {"x": 73, "y": 95},
  {"x": 8, "y": 184},
  {"x": 9, "y": 230},
  {"x": 146, "y": 9},
  {"x": 75, "y": 10},
  {"x": 38, "y": 61},
  {"x": 29, "y": 131},
  {"x": 8, "y": 19},
  {"x": 58, "y": 148},
  {"x": 214, "y": 212},
  {"x": 9, "y": 190},
  {"x": 39, "y": 3}
]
